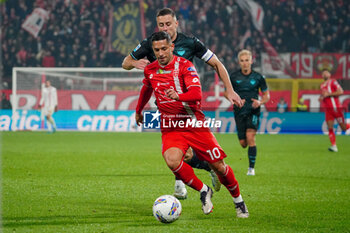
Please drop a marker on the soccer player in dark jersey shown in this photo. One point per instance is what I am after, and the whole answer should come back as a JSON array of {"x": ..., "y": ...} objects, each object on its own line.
[
  {"x": 178, "y": 91},
  {"x": 247, "y": 83},
  {"x": 187, "y": 47}
]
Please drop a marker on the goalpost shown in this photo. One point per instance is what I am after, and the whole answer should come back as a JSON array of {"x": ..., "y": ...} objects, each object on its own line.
[{"x": 27, "y": 84}]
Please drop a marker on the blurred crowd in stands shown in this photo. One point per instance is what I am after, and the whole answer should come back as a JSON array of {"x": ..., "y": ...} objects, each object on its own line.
[{"x": 77, "y": 30}]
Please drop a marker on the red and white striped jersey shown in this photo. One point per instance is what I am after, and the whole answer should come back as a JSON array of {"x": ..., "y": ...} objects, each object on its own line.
[
  {"x": 331, "y": 102},
  {"x": 180, "y": 75}
]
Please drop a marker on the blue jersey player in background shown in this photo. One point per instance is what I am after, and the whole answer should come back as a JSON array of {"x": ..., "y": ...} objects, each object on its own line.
[{"x": 247, "y": 84}]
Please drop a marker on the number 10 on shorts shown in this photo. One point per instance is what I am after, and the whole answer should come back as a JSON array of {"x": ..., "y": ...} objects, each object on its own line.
[{"x": 214, "y": 153}]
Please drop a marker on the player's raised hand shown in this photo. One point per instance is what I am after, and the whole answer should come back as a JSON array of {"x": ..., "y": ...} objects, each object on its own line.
[
  {"x": 234, "y": 98},
  {"x": 256, "y": 103},
  {"x": 139, "y": 119},
  {"x": 141, "y": 64},
  {"x": 172, "y": 94}
]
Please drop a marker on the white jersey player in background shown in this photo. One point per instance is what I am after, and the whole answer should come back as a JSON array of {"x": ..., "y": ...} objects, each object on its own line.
[{"x": 48, "y": 104}]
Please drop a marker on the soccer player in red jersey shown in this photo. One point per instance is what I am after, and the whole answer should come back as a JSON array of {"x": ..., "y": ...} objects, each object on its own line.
[
  {"x": 331, "y": 90},
  {"x": 175, "y": 83},
  {"x": 187, "y": 47}
]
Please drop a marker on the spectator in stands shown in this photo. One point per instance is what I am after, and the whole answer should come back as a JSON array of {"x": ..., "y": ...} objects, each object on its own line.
[
  {"x": 5, "y": 102},
  {"x": 48, "y": 60},
  {"x": 282, "y": 106},
  {"x": 301, "y": 106}
]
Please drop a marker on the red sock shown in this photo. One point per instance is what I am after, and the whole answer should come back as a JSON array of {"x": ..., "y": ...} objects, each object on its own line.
[
  {"x": 347, "y": 126},
  {"x": 185, "y": 173},
  {"x": 230, "y": 182},
  {"x": 331, "y": 136}
]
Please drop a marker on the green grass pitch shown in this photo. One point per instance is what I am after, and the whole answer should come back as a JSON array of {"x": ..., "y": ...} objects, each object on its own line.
[{"x": 107, "y": 182}]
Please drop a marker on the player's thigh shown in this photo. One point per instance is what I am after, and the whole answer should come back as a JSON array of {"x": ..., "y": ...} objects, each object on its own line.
[
  {"x": 44, "y": 111},
  {"x": 205, "y": 145},
  {"x": 51, "y": 111},
  {"x": 330, "y": 116},
  {"x": 174, "y": 139},
  {"x": 173, "y": 157},
  {"x": 253, "y": 121},
  {"x": 339, "y": 116},
  {"x": 241, "y": 126}
]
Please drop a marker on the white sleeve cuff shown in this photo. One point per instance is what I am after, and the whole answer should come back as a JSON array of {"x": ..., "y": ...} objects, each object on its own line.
[{"x": 206, "y": 57}]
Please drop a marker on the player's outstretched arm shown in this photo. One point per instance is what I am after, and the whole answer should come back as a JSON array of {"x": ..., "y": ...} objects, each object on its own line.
[
  {"x": 130, "y": 63},
  {"x": 220, "y": 69}
]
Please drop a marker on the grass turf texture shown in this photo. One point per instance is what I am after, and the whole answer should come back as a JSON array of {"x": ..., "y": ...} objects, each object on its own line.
[{"x": 107, "y": 182}]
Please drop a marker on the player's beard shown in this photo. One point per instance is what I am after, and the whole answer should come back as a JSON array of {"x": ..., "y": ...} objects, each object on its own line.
[{"x": 164, "y": 60}]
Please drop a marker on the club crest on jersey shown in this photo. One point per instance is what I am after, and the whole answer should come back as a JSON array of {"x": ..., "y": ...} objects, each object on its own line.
[
  {"x": 195, "y": 80},
  {"x": 180, "y": 52},
  {"x": 160, "y": 71},
  {"x": 252, "y": 81}
]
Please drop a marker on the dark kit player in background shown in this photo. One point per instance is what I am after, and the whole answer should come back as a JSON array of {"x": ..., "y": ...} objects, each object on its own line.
[{"x": 247, "y": 83}]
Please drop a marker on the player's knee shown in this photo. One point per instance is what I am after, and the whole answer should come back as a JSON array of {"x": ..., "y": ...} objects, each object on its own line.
[
  {"x": 172, "y": 163},
  {"x": 219, "y": 167},
  {"x": 243, "y": 143},
  {"x": 172, "y": 158}
]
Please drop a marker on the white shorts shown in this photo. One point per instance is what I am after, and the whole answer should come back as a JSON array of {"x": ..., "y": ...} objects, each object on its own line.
[{"x": 47, "y": 111}]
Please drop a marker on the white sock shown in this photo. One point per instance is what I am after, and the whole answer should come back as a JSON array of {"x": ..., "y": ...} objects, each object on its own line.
[
  {"x": 204, "y": 188},
  {"x": 238, "y": 199},
  {"x": 179, "y": 183},
  {"x": 52, "y": 121},
  {"x": 49, "y": 125}
]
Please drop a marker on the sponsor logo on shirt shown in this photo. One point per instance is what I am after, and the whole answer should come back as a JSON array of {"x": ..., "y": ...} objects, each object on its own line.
[
  {"x": 191, "y": 68},
  {"x": 160, "y": 71}
]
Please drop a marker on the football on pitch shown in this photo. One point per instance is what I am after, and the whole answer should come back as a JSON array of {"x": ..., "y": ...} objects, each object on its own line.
[{"x": 167, "y": 209}]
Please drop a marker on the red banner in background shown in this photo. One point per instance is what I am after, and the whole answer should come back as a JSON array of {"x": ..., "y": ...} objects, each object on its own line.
[
  {"x": 310, "y": 65},
  {"x": 127, "y": 100}
]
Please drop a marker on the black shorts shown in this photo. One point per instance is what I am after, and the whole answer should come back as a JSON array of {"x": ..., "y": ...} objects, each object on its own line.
[{"x": 244, "y": 122}]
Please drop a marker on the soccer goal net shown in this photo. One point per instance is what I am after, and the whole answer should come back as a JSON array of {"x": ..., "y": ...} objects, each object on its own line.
[
  {"x": 77, "y": 88},
  {"x": 28, "y": 82}
]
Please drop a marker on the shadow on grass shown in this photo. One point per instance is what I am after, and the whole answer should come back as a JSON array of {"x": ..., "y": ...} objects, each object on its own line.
[
  {"x": 125, "y": 215},
  {"x": 130, "y": 175}
]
